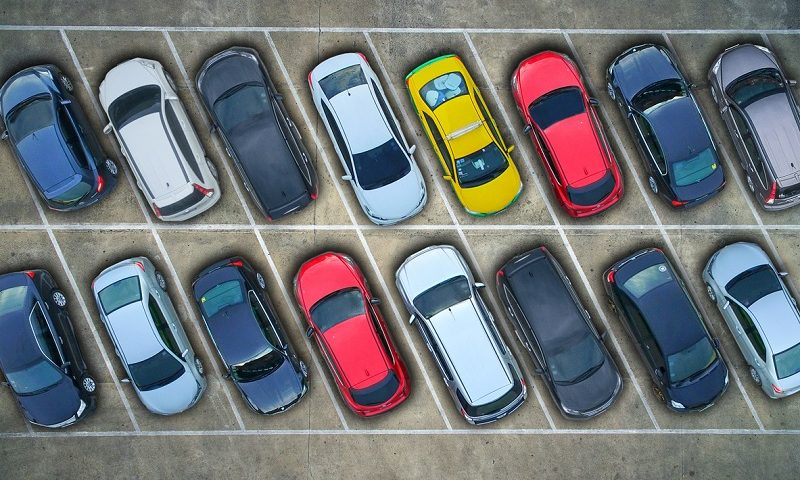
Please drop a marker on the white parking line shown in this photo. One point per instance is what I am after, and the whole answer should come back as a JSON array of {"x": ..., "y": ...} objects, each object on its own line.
[
  {"x": 252, "y": 227},
  {"x": 432, "y": 164},
  {"x": 154, "y": 232},
  {"x": 562, "y": 234},
  {"x": 358, "y": 229},
  {"x": 673, "y": 251}
]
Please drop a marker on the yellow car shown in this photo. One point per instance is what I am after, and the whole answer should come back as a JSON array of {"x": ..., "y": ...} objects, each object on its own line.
[{"x": 464, "y": 136}]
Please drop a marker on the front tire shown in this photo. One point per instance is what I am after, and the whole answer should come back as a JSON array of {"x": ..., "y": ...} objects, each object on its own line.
[
  {"x": 88, "y": 384},
  {"x": 59, "y": 298},
  {"x": 653, "y": 185},
  {"x": 611, "y": 92},
  {"x": 711, "y": 295},
  {"x": 261, "y": 282},
  {"x": 66, "y": 83},
  {"x": 750, "y": 184},
  {"x": 755, "y": 376},
  {"x": 162, "y": 282},
  {"x": 199, "y": 365},
  {"x": 111, "y": 166}
]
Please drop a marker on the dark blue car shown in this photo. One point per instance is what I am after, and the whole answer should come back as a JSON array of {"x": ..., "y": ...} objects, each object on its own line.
[
  {"x": 249, "y": 338},
  {"x": 683, "y": 360},
  {"x": 39, "y": 354},
  {"x": 53, "y": 140},
  {"x": 671, "y": 135}
]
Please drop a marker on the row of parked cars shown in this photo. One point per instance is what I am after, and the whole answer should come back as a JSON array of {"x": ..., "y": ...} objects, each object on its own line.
[
  {"x": 42, "y": 361},
  {"x": 59, "y": 151}
]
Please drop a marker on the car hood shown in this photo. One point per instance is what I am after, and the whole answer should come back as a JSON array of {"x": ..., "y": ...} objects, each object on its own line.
[
  {"x": 641, "y": 68},
  {"x": 54, "y": 406},
  {"x": 778, "y": 320},
  {"x": 704, "y": 390},
  {"x": 735, "y": 259},
  {"x": 276, "y": 390},
  {"x": 173, "y": 397},
  {"x": 44, "y": 155},
  {"x": 396, "y": 200},
  {"x": 742, "y": 60},
  {"x": 21, "y": 88},
  {"x": 592, "y": 392}
]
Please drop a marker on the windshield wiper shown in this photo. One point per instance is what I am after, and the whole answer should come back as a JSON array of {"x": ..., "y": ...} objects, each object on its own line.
[{"x": 583, "y": 376}]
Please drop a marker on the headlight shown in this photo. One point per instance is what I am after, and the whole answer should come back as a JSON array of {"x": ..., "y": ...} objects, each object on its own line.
[
  {"x": 81, "y": 408},
  {"x": 570, "y": 411},
  {"x": 715, "y": 68},
  {"x": 676, "y": 405},
  {"x": 726, "y": 379}
]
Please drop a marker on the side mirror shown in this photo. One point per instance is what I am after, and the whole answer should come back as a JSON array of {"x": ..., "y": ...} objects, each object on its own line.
[
  {"x": 726, "y": 305},
  {"x": 538, "y": 371},
  {"x": 212, "y": 129},
  {"x": 660, "y": 373},
  {"x": 184, "y": 353},
  {"x": 792, "y": 83},
  {"x": 527, "y": 129},
  {"x": 783, "y": 274},
  {"x": 278, "y": 96},
  {"x": 412, "y": 149},
  {"x": 411, "y": 319},
  {"x": 375, "y": 301},
  {"x": 716, "y": 342},
  {"x": 126, "y": 380},
  {"x": 723, "y": 109},
  {"x": 692, "y": 86},
  {"x": 227, "y": 375},
  {"x": 594, "y": 102},
  {"x": 347, "y": 178},
  {"x": 66, "y": 365},
  {"x": 510, "y": 149},
  {"x": 4, "y": 135},
  {"x": 604, "y": 335},
  {"x": 310, "y": 332},
  {"x": 479, "y": 285},
  {"x": 107, "y": 129},
  {"x": 447, "y": 178},
  {"x": 65, "y": 101}
]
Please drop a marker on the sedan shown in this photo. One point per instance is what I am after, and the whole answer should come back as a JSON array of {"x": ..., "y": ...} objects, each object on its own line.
[
  {"x": 344, "y": 319},
  {"x": 557, "y": 331},
  {"x": 250, "y": 340},
  {"x": 761, "y": 314},
  {"x": 756, "y": 102},
  {"x": 366, "y": 135},
  {"x": 39, "y": 354},
  {"x": 265, "y": 145},
  {"x": 560, "y": 117},
  {"x": 53, "y": 141},
  {"x": 148, "y": 337},
  {"x": 683, "y": 360},
  {"x": 663, "y": 116}
]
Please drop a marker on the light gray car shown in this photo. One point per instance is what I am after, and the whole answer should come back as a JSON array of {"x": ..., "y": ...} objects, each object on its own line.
[
  {"x": 761, "y": 314},
  {"x": 478, "y": 368},
  {"x": 148, "y": 337},
  {"x": 760, "y": 111}
]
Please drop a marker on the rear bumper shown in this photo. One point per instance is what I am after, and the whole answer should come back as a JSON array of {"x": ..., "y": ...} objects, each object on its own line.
[{"x": 292, "y": 207}]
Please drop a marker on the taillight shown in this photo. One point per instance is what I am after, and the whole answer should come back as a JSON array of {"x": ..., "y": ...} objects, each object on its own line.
[
  {"x": 236, "y": 263},
  {"x": 770, "y": 198},
  {"x": 309, "y": 79},
  {"x": 205, "y": 191},
  {"x": 100, "y": 183},
  {"x": 140, "y": 265},
  {"x": 776, "y": 389},
  {"x": 463, "y": 412},
  {"x": 610, "y": 277},
  {"x": 501, "y": 273},
  {"x": 678, "y": 203},
  {"x": 363, "y": 56},
  {"x": 314, "y": 195},
  {"x": 157, "y": 211},
  {"x": 269, "y": 218},
  {"x": 30, "y": 273}
]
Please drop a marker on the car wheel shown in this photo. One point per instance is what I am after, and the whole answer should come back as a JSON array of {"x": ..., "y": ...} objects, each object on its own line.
[
  {"x": 88, "y": 384},
  {"x": 711, "y": 295},
  {"x": 111, "y": 166},
  {"x": 750, "y": 184},
  {"x": 755, "y": 376},
  {"x": 66, "y": 83},
  {"x": 611, "y": 91},
  {"x": 303, "y": 368},
  {"x": 59, "y": 298},
  {"x": 162, "y": 282},
  {"x": 653, "y": 186},
  {"x": 199, "y": 365},
  {"x": 261, "y": 282},
  {"x": 659, "y": 394},
  {"x": 212, "y": 168}
]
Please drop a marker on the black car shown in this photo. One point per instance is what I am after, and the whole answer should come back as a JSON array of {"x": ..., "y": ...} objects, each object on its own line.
[
  {"x": 259, "y": 136},
  {"x": 245, "y": 329},
  {"x": 684, "y": 361},
  {"x": 53, "y": 141},
  {"x": 671, "y": 134},
  {"x": 39, "y": 354},
  {"x": 557, "y": 331}
]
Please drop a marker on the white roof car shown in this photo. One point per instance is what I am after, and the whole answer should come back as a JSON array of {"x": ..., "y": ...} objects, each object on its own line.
[
  {"x": 157, "y": 138},
  {"x": 375, "y": 156},
  {"x": 148, "y": 337}
]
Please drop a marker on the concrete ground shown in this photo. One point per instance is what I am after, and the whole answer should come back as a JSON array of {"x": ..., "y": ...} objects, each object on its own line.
[{"x": 744, "y": 435}]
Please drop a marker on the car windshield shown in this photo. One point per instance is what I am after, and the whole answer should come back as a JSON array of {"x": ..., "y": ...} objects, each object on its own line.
[
  {"x": 241, "y": 105},
  {"x": 343, "y": 80},
  {"x": 381, "y": 166},
  {"x": 691, "y": 361},
  {"x": 30, "y": 117},
  {"x": 156, "y": 371},
  {"x": 751, "y": 285},
  {"x": 480, "y": 167},
  {"x": 135, "y": 104},
  {"x": 221, "y": 296},
  {"x": 73, "y": 194},
  {"x": 259, "y": 367},
  {"x": 695, "y": 169},
  {"x": 787, "y": 363},
  {"x": 443, "y": 88},
  {"x": 35, "y": 377},
  {"x": 119, "y": 294},
  {"x": 575, "y": 360},
  {"x": 12, "y": 299},
  {"x": 337, "y": 307},
  {"x": 443, "y": 296},
  {"x": 755, "y": 85},
  {"x": 657, "y": 94},
  {"x": 556, "y": 106},
  {"x": 647, "y": 280}
]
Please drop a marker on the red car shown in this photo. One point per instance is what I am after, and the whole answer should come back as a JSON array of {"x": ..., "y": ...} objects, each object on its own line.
[
  {"x": 344, "y": 319},
  {"x": 560, "y": 118}
]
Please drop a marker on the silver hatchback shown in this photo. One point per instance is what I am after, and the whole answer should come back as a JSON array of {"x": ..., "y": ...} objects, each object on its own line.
[
  {"x": 148, "y": 337},
  {"x": 761, "y": 314}
]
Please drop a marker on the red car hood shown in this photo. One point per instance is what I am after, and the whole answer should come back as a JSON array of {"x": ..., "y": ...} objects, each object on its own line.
[
  {"x": 323, "y": 275},
  {"x": 577, "y": 150},
  {"x": 357, "y": 351}
]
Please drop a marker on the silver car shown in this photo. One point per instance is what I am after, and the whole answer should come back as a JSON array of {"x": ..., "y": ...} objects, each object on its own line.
[
  {"x": 479, "y": 370},
  {"x": 761, "y": 314},
  {"x": 148, "y": 337},
  {"x": 757, "y": 105}
]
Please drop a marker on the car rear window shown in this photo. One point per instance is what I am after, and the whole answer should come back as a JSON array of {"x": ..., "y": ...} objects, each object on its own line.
[
  {"x": 159, "y": 370},
  {"x": 378, "y": 393},
  {"x": 73, "y": 194},
  {"x": 593, "y": 193},
  {"x": 119, "y": 294},
  {"x": 443, "y": 296},
  {"x": 647, "y": 280},
  {"x": 495, "y": 406},
  {"x": 135, "y": 104},
  {"x": 787, "y": 363},
  {"x": 751, "y": 285},
  {"x": 381, "y": 166},
  {"x": 221, "y": 296},
  {"x": 344, "y": 79},
  {"x": 337, "y": 307},
  {"x": 443, "y": 88},
  {"x": 480, "y": 167},
  {"x": 184, "y": 203},
  {"x": 695, "y": 169},
  {"x": 557, "y": 106},
  {"x": 30, "y": 117},
  {"x": 12, "y": 299}
]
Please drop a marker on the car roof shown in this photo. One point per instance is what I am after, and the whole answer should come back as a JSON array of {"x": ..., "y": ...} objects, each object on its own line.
[
  {"x": 577, "y": 150},
  {"x": 358, "y": 353},
  {"x": 679, "y": 128},
  {"x": 134, "y": 331},
  {"x": 48, "y": 158},
  {"x": 641, "y": 66},
  {"x": 776, "y": 126},
  {"x": 18, "y": 346},
  {"x": 778, "y": 321},
  {"x": 236, "y": 333},
  {"x": 360, "y": 118}
]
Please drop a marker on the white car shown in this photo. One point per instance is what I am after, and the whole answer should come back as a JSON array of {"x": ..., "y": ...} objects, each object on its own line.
[
  {"x": 158, "y": 140},
  {"x": 376, "y": 158}
]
